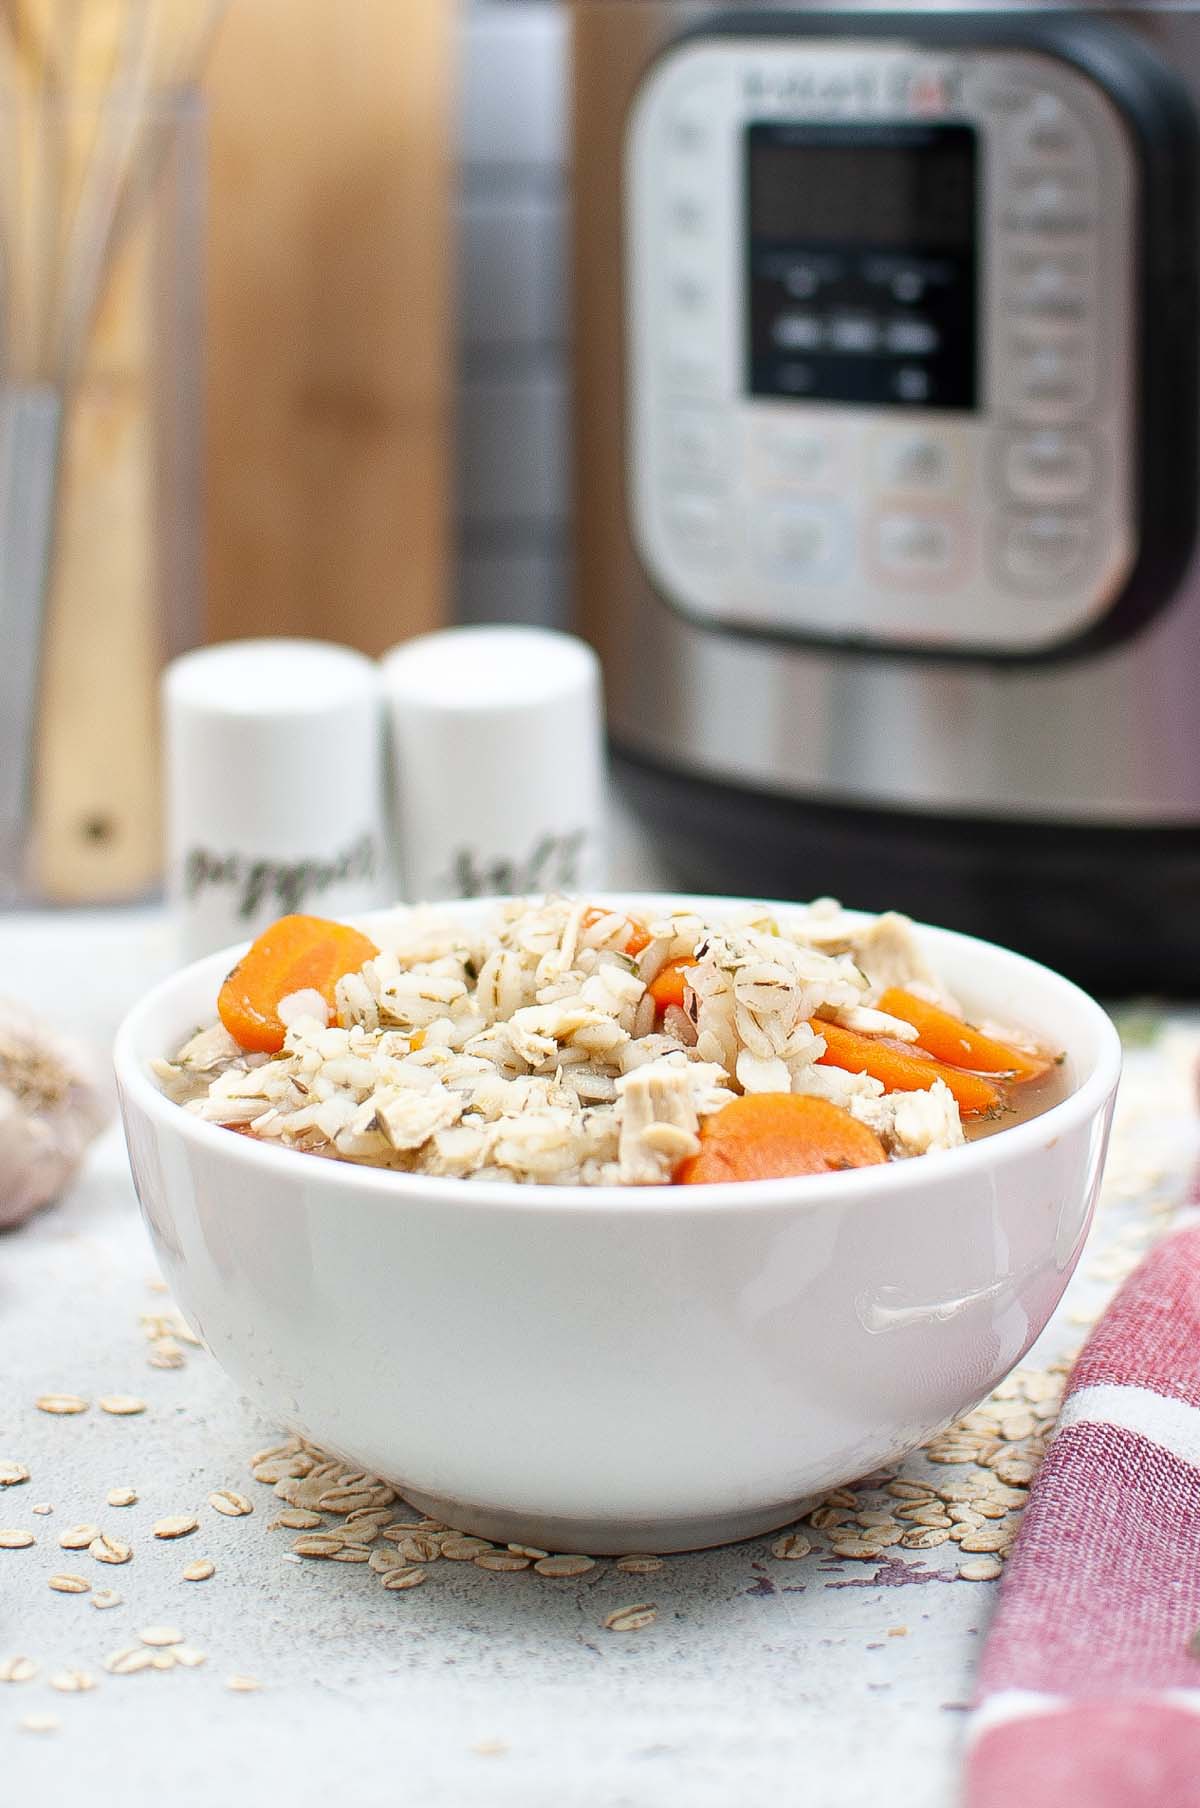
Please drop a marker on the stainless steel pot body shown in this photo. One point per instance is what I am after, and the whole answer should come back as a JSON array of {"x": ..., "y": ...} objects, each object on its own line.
[{"x": 1107, "y": 739}]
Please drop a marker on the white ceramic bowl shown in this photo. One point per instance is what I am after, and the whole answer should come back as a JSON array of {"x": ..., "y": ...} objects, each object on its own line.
[{"x": 607, "y": 1369}]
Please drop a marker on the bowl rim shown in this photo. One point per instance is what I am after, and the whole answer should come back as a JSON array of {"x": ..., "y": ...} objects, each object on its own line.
[{"x": 136, "y": 1086}]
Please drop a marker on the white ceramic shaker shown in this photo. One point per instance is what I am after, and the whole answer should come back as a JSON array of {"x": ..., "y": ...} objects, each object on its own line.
[
  {"x": 498, "y": 762},
  {"x": 274, "y": 787}
]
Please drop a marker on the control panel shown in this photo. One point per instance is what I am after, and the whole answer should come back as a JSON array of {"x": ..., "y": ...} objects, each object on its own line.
[{"x": 881, "y": 315}]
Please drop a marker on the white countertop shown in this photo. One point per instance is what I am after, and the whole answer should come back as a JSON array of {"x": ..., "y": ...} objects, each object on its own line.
[{"x": 766, "y": 1682}]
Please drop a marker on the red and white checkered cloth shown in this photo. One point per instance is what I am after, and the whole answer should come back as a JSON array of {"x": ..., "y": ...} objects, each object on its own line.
[{"x": 1088, "y": 1695}]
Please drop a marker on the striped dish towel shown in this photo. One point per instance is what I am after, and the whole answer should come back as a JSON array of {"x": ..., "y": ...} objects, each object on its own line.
[{"x": 1089, "y": 1689}]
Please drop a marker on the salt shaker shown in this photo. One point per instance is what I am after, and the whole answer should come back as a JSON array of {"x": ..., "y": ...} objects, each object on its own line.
[
  {"x": 498, "y": 762},
  {"x": 274, "y": 786}
]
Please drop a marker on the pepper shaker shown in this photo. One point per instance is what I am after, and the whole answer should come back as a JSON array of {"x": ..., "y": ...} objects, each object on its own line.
[
  {"x": 274, "y": 786},
  {"x": 498, "y": 762}
]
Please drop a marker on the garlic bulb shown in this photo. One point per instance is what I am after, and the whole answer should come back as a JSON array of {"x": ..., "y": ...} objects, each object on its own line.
[{"x": 51, "y": 1106}]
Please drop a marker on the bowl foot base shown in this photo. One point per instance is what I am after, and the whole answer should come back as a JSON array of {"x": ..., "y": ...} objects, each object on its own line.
[{"x": 607, "y": 1537}]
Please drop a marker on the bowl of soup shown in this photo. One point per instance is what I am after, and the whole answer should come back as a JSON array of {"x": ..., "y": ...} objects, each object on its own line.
[{"x": 498, "y": 1210}]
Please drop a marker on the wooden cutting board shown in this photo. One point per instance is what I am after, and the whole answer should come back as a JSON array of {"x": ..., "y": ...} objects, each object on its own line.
[
  {"x": 327, "y": 395},
  {"x": 329, "y": 319}
]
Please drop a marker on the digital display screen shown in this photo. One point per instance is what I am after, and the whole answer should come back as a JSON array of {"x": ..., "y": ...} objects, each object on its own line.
[
  {"x": 861, "y": 246},
  {"x": 879, "y": 194}
]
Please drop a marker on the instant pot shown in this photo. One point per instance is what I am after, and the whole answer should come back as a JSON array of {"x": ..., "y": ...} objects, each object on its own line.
[{"x": 886, "y": 386}]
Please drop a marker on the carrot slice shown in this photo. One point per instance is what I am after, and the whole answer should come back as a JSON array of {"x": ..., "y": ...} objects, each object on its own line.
[
  {"x": 948, "y": 1038},
  {"x": 770, "y": 1135},
  {"x": 638, "y": 937},
  {"x": 902, "y": 1068},
  {"x": 667, "y": 986},
  {"x": 293, "y": 955}
]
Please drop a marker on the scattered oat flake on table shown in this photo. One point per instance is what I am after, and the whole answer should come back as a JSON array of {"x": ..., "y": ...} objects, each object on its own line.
[
  {"x": 17, "y": 1669},
  {"x": 106, "y": 1597},
  {"x": 72, "y": 1682},
  {"x": 122, "y": 1497},
  {"x": 176, "y": 1525},
  {"x": 564, "y": 1566},
  {"x": 296, "y": 1519},
  {"x": 199, "y": 1571},
  {"x": 790, "y": 1547},
  {"x": 161, "y": 1635},
  {"x": 464, "y": 1550},
  {"x": 16, "y": 1538},
  {"x": 243, "y": 1685},
  {"x": 419, "y": 1547},
  {"x": 129, "y": 1661},
  {"x": 980, "y": 1569},
  {"x": 316, "y": 1545},
  {"x": 232, "y": 1504},
  {"x": 43, "y": 1507},
  {"x": 12, "y": 1473},
  {"x": 408, "y": 1577},
  {"x": 490, "y": 1748},
  {"x": 924, "y": 1538},
  {"x": 122, "y": 1406},
  {"x": 78, "y": 1537},
  {"x": 636, "y": 1564},
  {"x": 40, "y": 1723},
  {"x": 631, "y": 1619},
  {"x": 69, "y": 1585},
  {"x": 985, "y": 1541},
  {"x": 188, "y": 1656},
  {"x": 61, "y": 1403},
  {"x": 107, "y": 1549},
  {"x": 501, "y": 1561}
]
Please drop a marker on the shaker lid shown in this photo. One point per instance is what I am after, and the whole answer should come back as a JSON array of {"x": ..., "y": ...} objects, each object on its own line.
[
  {"x": 489, "y": 668},
  {"x": 277, "y": 678}
]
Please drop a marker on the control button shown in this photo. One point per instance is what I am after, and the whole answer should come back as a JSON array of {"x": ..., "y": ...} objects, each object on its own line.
[
  {"x": 689, "y": 294},
  {"x": 687, "y": 214},
  {"x": 1048, "y": 467},
  {"x": 911, "y": 337},
  {"x": 912, "y": 548},
  {"x": 1050, "y": 289},
  {"x": 786, "y": 452},
  {"x": 695, "y": 441},
  {"x": 911, "y": 384},
  {"x": 914, "y": 461},
  {"x": 803, "y": 276},
  {"x": 689, "y": 360},
  {"x": 1050, "y": 192},
  {"x": 908, "y": 285},
  {"x": 798, "y": 332},
  {"x": 796, "y": 378},
  {"x": 691, "y": 122},
  {"x": 1051, "y": 130},
  {"x": 855, "y": 333},
  {"x": 699, "y": 526},
  {"x": 1060, "y": 220},
  {"x": 1045, "y": 374},
  {"x": 1041, "y": 552},
  {"x": 802, "y": 541}
]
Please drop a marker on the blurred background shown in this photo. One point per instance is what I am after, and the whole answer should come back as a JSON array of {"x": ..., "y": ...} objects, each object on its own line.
[{"x": 362, "y": 322}]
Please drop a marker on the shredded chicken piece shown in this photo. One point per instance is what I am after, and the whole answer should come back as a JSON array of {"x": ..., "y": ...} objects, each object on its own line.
[
  {"x": 885, "y": 949},
  {"x": 911, "y": 1123},
  {"x": 658, "y": 1110}
]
